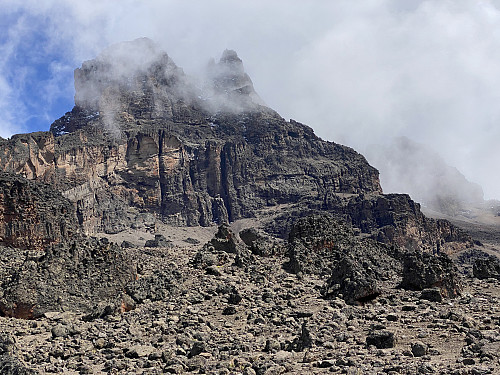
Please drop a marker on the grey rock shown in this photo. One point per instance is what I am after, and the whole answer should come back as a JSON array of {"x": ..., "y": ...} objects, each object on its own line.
[
  {"x": 60, "y": 330},
  {"x": 423, "y": 270},
  {"x": 419, "y": 349}
]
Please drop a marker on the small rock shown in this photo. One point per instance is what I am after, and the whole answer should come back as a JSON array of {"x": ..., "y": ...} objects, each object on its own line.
[
  {"x": 431, "y": 294},
  {"x": 138, "y": 351},
  {"x": 159, "y": 241},
  {"x": 229, "y": 310},
  {"x": 419, "y": 349},
  {"x": 392, "y": 317},
  {"x": 127, "y": 245},
  {"x": 381, "y": 339},
  {"x": 197, "y": 348},
  {"x": 60, "y": 330},
  {"x": 213, "y": 270},
  {"x": 272, "y": 346}
]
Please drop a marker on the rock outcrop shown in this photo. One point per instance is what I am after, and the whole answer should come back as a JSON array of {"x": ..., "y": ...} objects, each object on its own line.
[
  {"x": 352, "y": 266},
  {"x": 144, "y": 139},
  {"x": 33, "y": 215},
  {"x": 397, "y": 219}
]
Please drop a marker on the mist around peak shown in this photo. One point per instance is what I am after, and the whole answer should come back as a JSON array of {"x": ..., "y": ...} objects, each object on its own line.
[
  {"x": 118, "y": 85},
  {"x": 409, "y": 167}
]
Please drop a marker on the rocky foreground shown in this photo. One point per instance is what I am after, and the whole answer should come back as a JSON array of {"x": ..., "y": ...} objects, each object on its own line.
[{"x": 221, "y": 308}]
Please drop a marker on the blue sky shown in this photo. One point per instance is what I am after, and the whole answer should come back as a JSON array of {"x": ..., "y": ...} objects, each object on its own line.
[
  {"x": 355, "y": 71},
  {"x": 35, "y": 71}
]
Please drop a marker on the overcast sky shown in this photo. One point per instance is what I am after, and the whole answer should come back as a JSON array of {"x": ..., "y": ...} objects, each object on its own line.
[{"x": 357, "y": 72}]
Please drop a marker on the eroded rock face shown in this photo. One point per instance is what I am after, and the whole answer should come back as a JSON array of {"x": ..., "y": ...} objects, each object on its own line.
[
  {"x": 396, "y": 219},
  {"x": 33, "y": 215}
]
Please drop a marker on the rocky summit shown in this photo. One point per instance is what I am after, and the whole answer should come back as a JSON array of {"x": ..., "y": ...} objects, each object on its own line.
[{"x": 168, "y": 224}]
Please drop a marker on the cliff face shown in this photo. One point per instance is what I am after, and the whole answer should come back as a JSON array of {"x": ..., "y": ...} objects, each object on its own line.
[
  {"x": 145, "y": 138},
  {"x": 140, "y": 137}
]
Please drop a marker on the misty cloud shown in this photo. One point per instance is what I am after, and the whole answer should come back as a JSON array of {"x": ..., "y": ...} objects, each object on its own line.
[{"x": 357, "y": 72}]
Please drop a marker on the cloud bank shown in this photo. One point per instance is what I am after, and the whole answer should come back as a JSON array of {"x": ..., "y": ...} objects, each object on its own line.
[{"x": 358, "y": 72}]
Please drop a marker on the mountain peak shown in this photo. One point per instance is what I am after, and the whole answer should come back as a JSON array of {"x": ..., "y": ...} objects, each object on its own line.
[
  {"x": 232, "y": 83},
  {"x": 231, "y": 61},
  {"x": 122, "y": 67},
  {"x": 134, "y": 82}
]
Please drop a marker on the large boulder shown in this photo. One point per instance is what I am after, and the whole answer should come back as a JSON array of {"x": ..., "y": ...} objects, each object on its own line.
[
  {"x": 353, "y": 266},
  {"x": 424, "y": 270},
  {"x": 75, "y": 278},
  {"x": 487, "y": 267}
]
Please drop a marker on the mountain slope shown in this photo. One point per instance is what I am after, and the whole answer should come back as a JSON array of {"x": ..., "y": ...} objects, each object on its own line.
[{"x": 145, "y": 139}]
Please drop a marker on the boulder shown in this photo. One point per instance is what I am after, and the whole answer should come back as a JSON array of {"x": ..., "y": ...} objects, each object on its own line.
[
  {"x": 71, "y": 278},
  {"x": 423, "y": 270},
  {"x": 485, "y": 268},
  {"x": 381, "y": 339}
]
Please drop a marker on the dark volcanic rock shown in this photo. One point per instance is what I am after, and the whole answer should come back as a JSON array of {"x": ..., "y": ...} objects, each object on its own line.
[
  {"x": 314, "y": 241},
  {"x": 381, "y": 339},
  {"x": 33, "y": 215},
  {"x": 322, "y": 245},
  {"x": 156, "y": 287},
  {"x": 396, "y": 219},
  {"x": 353, "y": 281},
  {"x": 489, "y": 267},
  {"x": 67, "y": 277},
  {"x": 423, "y": 270},
  {"x": 259, "y": 243},
  {"x": 432, "y": 294},
  {"x": 224, "y": 240},
  {"x": 158, "y": 241}
]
